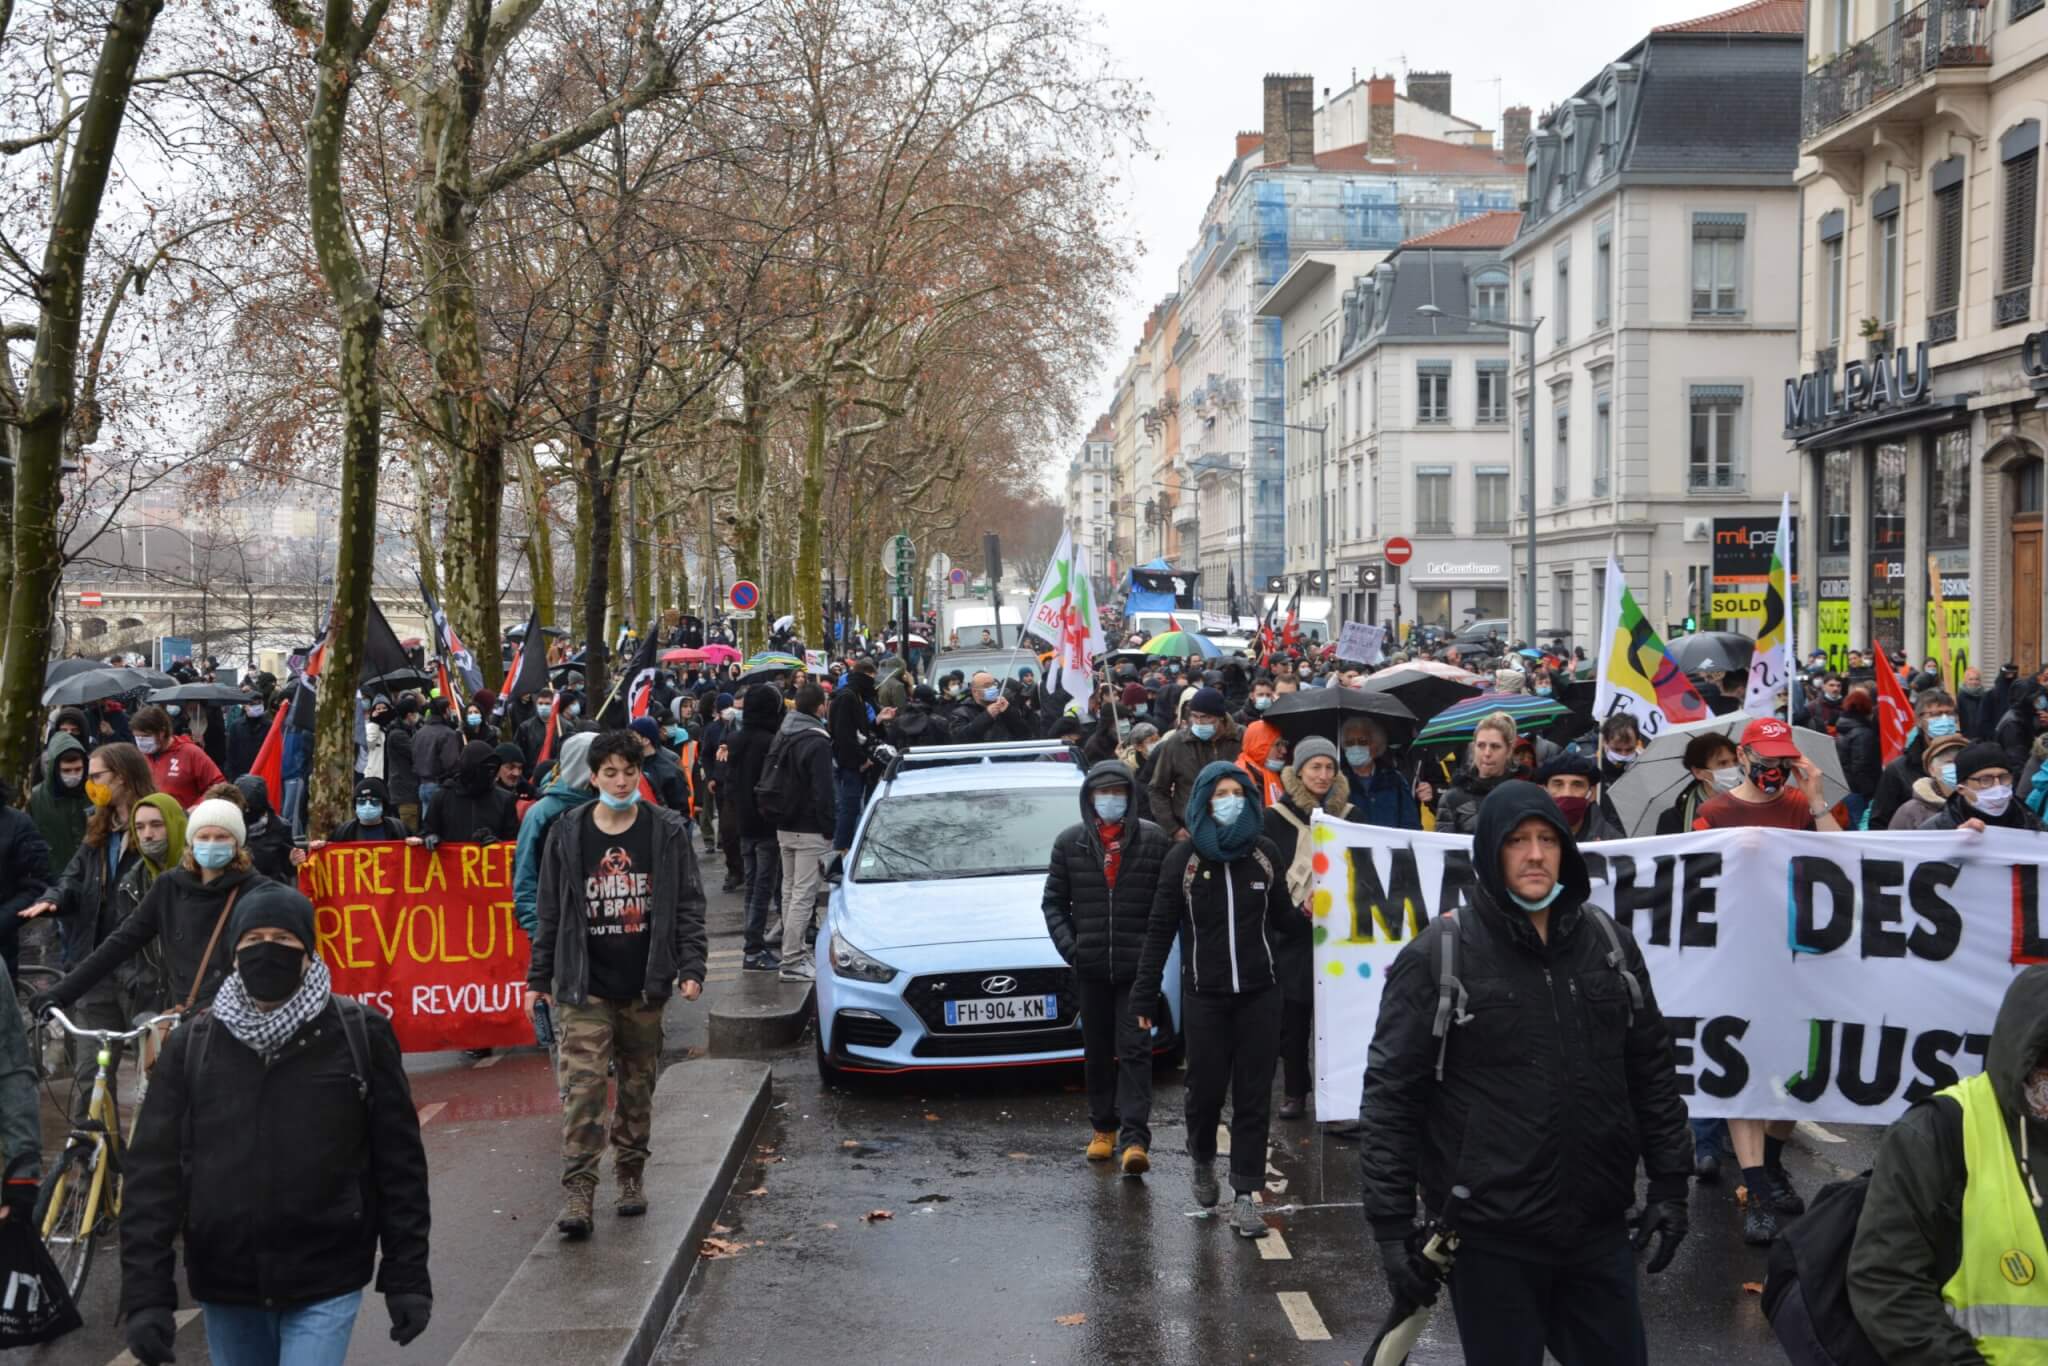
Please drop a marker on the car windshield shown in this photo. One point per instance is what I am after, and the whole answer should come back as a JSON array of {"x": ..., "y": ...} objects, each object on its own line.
[{"x": 941, "y": 835}]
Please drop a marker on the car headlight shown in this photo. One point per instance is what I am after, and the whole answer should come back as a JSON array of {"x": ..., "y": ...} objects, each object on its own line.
[{"x": 848, "y": 961}]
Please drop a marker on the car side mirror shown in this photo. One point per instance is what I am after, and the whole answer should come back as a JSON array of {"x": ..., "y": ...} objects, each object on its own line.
[{"x": 835, "y": 871}]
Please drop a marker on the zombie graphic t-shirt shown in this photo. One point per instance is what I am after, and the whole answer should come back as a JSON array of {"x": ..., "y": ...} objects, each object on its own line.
[{"x": 618, "y": 885}]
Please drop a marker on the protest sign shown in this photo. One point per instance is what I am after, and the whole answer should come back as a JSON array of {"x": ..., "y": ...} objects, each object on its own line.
[
  {"x": 1828, "y": 977},
  {"x": 1360, "y": 643},
  {"x": 427, "y": 937}
]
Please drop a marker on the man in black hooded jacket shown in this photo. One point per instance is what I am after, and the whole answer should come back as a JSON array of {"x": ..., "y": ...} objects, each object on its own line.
[
  {"x": 472, "y": 807},
  {"x": 1098, "y": 895},
  {"x": 1558, "y": 1080}
]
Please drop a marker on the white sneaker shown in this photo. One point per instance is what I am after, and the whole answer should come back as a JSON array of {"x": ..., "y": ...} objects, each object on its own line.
[{"x": 799, "y": 970}]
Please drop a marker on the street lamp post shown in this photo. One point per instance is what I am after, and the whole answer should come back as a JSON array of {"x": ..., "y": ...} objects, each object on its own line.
[
  {"x": 1527, "y": 329},
  {"x": 1322, "y": 432}
]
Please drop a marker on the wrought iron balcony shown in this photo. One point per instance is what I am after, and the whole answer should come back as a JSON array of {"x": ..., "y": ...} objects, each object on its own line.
[
  {"x": 1941, "y": 327},
  {"x": 2011, "y": 306},
  {"x": 1825, "y": 359},
  {"x": 1929, "y": 37}
]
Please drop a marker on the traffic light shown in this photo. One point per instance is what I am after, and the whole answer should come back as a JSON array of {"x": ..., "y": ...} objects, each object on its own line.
[
  {"x": 1692, "y": 623},
  {"x": 1368, "y": 576}
]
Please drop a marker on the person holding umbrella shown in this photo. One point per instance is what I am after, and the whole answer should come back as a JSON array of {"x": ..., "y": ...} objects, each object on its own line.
[
  {"x": 1311, "y": 783},
  {"x": 1711, "y": 760},
  {"x": 1540, "y": 1105}
]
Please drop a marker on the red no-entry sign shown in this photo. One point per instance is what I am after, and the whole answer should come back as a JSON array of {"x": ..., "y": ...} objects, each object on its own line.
[
  {"x": 90, "y": 600},
  {"x": 745, "y": 596},
  {"x": 1399, "y": 550}
]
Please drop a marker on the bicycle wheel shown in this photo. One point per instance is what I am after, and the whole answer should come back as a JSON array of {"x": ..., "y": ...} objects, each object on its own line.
[{"x": 69, "y": 1207}]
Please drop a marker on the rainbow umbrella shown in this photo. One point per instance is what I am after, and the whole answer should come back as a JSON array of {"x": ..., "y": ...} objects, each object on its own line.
[
  {"x": 773, "y": 659},
  {"x": 1458, "y": 722},
  {"x": 1181, "y": 645}
]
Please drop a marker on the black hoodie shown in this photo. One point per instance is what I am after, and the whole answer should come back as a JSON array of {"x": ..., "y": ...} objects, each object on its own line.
[
  {"x": 746, "y": 753},
  {"x": 1552, "y": 1091},
  {"x": 1909, "y": 1239},
  {"x": 1097, "y": 928},
  {"x": 472, "y": 807}
]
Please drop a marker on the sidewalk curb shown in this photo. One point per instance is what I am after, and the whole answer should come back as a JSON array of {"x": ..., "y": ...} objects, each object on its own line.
[
  {"x": 758, "y": 1014},
  {"x": 605, "y": 1301}
]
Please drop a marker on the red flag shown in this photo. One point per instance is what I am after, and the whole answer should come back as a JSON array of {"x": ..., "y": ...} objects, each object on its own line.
[
  {"x": 269, "y": 764},
  {"x": 1894, "y": 712},
  {"x": 547, "y": 744},
  {"x": 441, "y": 671}
]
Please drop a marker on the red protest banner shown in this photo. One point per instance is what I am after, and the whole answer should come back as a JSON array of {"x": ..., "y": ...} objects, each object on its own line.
[{"x": 427, "y": 938}]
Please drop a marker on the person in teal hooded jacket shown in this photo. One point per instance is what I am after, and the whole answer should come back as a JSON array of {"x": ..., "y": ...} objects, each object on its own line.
[
  {"x": 568, "y": 789},
  {"x": 1224, "y": 888}
]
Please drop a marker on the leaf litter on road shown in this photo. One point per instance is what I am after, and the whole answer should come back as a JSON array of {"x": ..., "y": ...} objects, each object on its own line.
[
  {"x": 875, "y": 1216},
  {"x": 1071, "y": 1320}
]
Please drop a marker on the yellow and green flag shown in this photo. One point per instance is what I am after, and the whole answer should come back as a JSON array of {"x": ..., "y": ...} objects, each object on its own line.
[{"x": 1637, "y": 674}]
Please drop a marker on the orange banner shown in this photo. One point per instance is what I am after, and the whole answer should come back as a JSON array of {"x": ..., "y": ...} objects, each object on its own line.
[{"x": 427, "y": 938}]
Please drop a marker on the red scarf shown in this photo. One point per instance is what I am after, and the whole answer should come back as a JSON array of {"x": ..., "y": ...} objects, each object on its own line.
[{"x": 1112, "y": 837}]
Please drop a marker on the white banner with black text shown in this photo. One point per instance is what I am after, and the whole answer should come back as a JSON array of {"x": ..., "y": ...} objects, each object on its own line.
[{"x": 1829, "y": 977}]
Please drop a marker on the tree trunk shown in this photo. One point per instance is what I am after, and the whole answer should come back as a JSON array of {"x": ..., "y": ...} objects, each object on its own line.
[
  {"x": 597, "y": 497},
  {"x": 579, "y": 568},
  {"x": 423, "y": 518},
  {"x": 643, "y": 549},
  {"x": 707, "y": 558},
  {"x": 540, "y": 537},
  {"x": 50, "y": 392},
  {"x": 615, "y": 563},
  {"x": 810, "y": 617},
  {"x": 746, "y": 549},
  {"x": 362, "y": 324}
]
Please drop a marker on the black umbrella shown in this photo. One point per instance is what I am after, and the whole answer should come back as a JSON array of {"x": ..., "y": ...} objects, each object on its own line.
[
  {"x": 519, "y": 632},
  {"x": 564, "y": 670},
  {"x": 398, "y": 680},
  {"x": 771, "y": 674},
  {"x": 1425, "y": 691},
  {"x": 1323, "y": 711},
  {"x": 1713, "y": 652},
  {"x": 201, "y": 692},
  {"x": 98, "y": 684}
]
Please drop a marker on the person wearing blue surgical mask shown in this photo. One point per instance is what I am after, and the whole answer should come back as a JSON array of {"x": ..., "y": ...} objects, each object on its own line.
[
  {"x": 1207, "y": 736},
  {"x": 1384, "y": 797},
  {"x": 1224, "y": 889},
  {"x": 1099, "y": 888},
  {"x": 1932, "y": 789},
  {"x": 1934, "y": 718}
]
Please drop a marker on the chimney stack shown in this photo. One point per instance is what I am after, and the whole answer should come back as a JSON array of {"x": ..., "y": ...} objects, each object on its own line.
[
  {"x": 1290, "y": 120},
  {"x": 1431, "y": 90},
  {"x": 1379, "y": 118},
  {"x": 1514, "y": 132}
]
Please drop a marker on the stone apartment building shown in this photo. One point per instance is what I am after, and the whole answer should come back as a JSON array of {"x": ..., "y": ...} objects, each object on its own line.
[
  {"x": 1914, "y": 407},
  {"x": 1654, "y": 258},
  {"x": 1089, "y": 492}
]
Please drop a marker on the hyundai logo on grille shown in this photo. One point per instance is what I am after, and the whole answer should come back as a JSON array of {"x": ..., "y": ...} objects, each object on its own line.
[{"x": 998, "y": 985}]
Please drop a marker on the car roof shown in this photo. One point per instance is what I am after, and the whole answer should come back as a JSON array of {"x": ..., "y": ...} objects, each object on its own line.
[
  {"x": 1042, "y": 775},
  {"x": 970, "y": 662}
]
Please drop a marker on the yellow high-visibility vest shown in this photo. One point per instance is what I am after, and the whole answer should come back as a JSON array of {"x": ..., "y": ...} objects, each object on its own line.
[{"x": 1999, "y": 1294}]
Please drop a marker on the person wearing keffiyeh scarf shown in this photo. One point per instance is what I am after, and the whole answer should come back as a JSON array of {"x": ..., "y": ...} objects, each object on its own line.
[{"x": 281, "y": 1147}]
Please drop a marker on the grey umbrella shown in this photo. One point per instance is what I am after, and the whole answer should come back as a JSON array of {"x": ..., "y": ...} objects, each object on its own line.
[
  {"x": 61, "y": 669},
  {"x": 201, "y": 692},
  {"x": 1657, "y": 777},
  {"x": 98, "y": 684},
  {"x": 1713, "y": 652}
]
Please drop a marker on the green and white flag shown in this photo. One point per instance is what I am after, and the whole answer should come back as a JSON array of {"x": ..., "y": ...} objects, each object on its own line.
[{"x": 1064, "y": 616}]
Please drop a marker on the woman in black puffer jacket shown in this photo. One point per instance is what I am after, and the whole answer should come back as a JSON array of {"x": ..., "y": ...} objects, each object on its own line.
[
  {"x": 1099, "y": 890},
  {"x": 1856, "y": 743}
]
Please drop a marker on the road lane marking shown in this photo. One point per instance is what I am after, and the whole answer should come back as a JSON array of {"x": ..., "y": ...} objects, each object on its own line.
[
  {"x": 491, "y": 1061},
  {"x": 1815, "y": 1131},
  {"x": 726, "y": 955},
  {"x": 182, "y": 1317},
  {"x": 1301, "y": 1312},
  {"x": 1273, "y": 1248},
  {"x": 427, "y": 1112}
]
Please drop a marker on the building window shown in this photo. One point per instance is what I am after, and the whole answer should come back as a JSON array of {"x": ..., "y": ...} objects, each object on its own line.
[
  {"x": 1561, "y": 456},
  {"x": 1717, "y": 240},
  {"x": 2016, "y": 234},
  {"x": 1835, "y": 473},
  {"x": 1490, "y": 296},
  {"x": 1610, "y": 126},
  {"x": 1492, "y": 406},
  {"x": 1888, "y": 498},
  {"x": 1433, "y": 608},
  {"x": 1603, "y": 444},
  {"x": 1946, "y": 261},
  {"x": 1888, "y": 271},
  {"x": 1716, "y": 421},
  {"x": 1831, "y": 302},
  {"x": 1490, "y": 500},
  {"x": 1528, "y": 313},
  {"x": 1561, "y": 301},
  {"x": 1948, "y": 492},
  {"x": 1432, "y": 392},
  {"x": 1563, "y": 603},
  {"x": 1603, "y": 274},
  {"x": 1433, "y": 500}
]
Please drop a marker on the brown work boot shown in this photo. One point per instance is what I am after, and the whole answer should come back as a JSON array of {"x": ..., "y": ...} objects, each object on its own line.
[
  {"x": 1136, "y": 1161},
  {"x": 632, "y": 1196},
  {"x": 1100, "y": 1146},
  {"x": 575, "y": 1219}
]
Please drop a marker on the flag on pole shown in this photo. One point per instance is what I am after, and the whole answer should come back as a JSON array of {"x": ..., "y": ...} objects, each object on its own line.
[
  {"x": 1044, "y": 620},
  {"x": 529, "y": 670},
  {"x": 1772, "y": 666},
  {"x": 269, "y": 764},
  {"x": 1894, "y": 712},
  {"x": 1290, "y": 631},
  {"x": 1637, "y": 674},
  {"x": 451, "y": 646},
  {"x": 1080, "y": 641}
]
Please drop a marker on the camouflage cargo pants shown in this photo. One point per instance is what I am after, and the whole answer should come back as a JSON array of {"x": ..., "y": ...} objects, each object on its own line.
[{"x": 628, "y": 1035}]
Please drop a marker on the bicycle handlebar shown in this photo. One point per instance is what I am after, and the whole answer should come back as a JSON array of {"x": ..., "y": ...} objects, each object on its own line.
[{"x": 108, "y": 1035}]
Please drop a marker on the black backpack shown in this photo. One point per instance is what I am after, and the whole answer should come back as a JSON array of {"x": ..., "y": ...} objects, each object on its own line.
[
  {"x": 1806, "y": 1289},
  {"x": 780, "y": 793}
]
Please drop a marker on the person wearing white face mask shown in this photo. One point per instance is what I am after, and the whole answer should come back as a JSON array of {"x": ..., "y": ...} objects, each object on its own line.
[
  {"x": 1224, "y": 887},
  {"x": 1931, "y": 791},
  {"x": 1983, "y": 797},
  {"x": 1711, "y": 760}
]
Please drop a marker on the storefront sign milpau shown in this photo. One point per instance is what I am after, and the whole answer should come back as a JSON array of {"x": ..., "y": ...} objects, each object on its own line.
[{"x": 1819, "y": 399}]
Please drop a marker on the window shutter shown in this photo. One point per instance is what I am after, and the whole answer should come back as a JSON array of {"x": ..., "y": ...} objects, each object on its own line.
[
  {"x": 1948, "y": 247},
  {"x": 2021, "y": 180}
]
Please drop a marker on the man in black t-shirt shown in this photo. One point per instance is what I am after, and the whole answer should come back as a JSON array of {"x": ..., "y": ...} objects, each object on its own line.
[{"x": 620, "y": 925}]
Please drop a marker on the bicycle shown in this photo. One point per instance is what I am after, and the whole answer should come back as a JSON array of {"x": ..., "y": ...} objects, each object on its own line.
[
  {"x": 45, "y": 1047},
  {"x": 81, "y": 1199}
]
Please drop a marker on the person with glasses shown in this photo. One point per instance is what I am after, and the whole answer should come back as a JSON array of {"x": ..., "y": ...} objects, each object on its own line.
[{"x": 1983, "y": 796}]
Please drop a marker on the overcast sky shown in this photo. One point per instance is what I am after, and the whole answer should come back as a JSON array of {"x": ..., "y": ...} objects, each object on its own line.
[{"x": 1203, "y": 61}]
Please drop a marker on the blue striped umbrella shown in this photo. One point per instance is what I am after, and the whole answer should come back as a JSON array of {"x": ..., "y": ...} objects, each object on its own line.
[{"x": 1458, "y": 722}]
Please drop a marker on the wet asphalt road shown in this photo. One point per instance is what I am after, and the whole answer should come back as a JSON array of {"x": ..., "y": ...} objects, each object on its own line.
[{"x": 1001, "y": 1234}]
